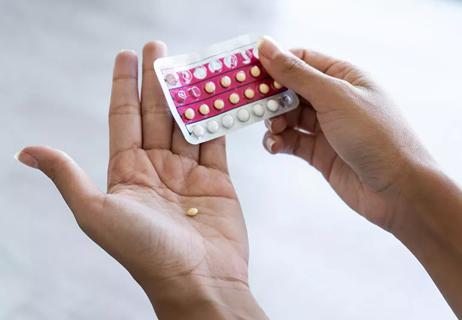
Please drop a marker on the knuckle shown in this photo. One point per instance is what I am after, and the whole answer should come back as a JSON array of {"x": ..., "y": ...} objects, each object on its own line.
[
  {"x": 121, "y": 78},
  {"x": 158, "y": 108},
  {"x": 123, "y": 109},
  {"x": 292, "y": 64},
  {"x": 339, "y": 67},
  {"x": 342, "y": 85}
]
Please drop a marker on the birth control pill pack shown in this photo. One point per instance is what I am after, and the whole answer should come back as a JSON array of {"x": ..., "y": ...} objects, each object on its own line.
[{"x": 221, "y": 89}]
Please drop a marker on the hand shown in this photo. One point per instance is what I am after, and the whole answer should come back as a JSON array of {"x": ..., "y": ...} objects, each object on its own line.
[
  {"x": 194, "y": 266},
  {"x": 346, "y": 128}
]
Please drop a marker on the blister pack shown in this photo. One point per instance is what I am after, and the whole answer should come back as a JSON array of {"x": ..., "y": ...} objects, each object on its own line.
[{"x": 221, "y": 89}]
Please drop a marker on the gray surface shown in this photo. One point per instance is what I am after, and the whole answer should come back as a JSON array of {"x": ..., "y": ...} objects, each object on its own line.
[{"x": 311, "y": 257}]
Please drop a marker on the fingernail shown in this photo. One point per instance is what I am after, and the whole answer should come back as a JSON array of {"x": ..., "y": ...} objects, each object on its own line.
[
  {"x": 268, "y": 48},
  {"x": 26, "y": 159},
  {"x": 270, "y": 143},
  {"x": 128, "y": 50}
]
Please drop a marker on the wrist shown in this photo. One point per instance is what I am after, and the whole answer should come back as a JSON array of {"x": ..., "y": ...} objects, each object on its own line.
[
  {"x": 429, "y": 226},
  {"x": 199, "y": 297},
  {"x": 429, "y": 201}
]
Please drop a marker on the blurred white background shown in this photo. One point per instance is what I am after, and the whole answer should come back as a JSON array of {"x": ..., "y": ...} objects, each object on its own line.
[{"x": 311, "y": 256}]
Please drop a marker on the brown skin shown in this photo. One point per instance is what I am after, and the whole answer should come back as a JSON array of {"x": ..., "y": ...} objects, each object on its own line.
[
  {"x": 348, "y": 130},
  {"x": 154, "y": 177},
  {"x": 196, "y": 268}
]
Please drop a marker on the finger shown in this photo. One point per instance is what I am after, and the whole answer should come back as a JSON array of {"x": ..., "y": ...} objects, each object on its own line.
[
  {"x": 334, "y": 67},
  {"x": 291, "y": 142},
  {"x": 183, "y": 148},
  {"x": 277, "y": 124},
  {"x": 313, "y": 148},
  {"x": 213, "y": 154},
  {"x": 296, "y": 74},
  {"x": 80, "y": 193},
  {"x": 303, "y": 118},
  {"x": 157, "y": 120},
  {"x": 306, "y": 120},
  {"x": 124, "y": 111},
  {"x": 315, "y": 59}
]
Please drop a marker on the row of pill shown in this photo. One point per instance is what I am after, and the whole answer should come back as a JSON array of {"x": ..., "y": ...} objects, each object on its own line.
[
  {"x": 226, "y": 81},
  {"x": 214, "y": 66},
  {"x": 210, "y": 87},
  {"x": 243, "y": 115},
  {"x": 233, "y": 98}
]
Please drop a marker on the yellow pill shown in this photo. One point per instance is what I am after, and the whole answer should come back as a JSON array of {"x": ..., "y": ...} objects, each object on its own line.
[
  {"x": 204, "y": 109},
  {"x": 263, "y": 88},
  {"x": 234, "y": 98},
  {"x": 189, "y": 114},
  {"x": 225, "y": 81},
  {"x": 249, "y": 93},
  {"x": 192, "y": 212},
  {"x": 240, "y": 76},
  {"x": 210, "y": 87},
  {"x": 255, "y": 71},
  {"x": 219, "y": 104},
  {"x": 277, "y": 85}
]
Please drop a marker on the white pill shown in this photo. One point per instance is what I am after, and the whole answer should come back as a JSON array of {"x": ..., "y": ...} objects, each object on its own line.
[
  {"x": 227, "y": 121},
  {"x": 258, "y": 110},
  {"x": 198, "y": 131},
  {"x": 212, "y": 126},
  {"x": 243, "y": 115},
  {"x": 272, "y": 105}
]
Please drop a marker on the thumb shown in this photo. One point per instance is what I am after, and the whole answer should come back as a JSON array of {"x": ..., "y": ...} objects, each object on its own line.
[
  {"x": 80, "y": 193},
  {"x": 296, "y": 74}
]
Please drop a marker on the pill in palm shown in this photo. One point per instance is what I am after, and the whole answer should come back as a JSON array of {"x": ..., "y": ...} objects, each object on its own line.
[{"x": 192, "y": 212}]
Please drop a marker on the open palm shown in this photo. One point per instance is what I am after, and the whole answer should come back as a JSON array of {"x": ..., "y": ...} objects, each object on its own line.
[{"x": 154, "y": 177}]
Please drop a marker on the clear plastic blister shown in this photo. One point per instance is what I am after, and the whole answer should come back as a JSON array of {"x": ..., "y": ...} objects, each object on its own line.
[{"x": 223, "y": 88}]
